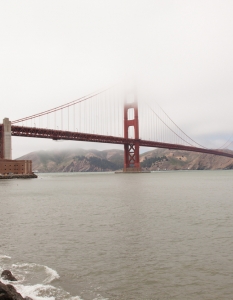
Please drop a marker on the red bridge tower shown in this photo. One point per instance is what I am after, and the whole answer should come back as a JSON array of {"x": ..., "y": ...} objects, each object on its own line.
[{"x": 131, "y": 150}]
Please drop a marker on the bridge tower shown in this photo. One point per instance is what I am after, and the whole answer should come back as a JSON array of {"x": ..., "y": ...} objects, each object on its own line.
[
  {"x": 5, "y": 140},
  {"x": 131, "y": 150}
]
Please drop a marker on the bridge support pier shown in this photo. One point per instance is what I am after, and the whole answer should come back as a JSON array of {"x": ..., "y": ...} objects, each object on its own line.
[
  {"x": 5, "y": 140},
  {"x": 8, "y": 167},
  {"x": 1, "y": 142},
  {"x": 131, "y": 151}
]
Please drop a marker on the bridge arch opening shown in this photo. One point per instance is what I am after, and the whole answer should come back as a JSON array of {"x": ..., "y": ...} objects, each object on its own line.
[
  {"x": 131, "y": 132},
  {"x": 130, "y": 114}
]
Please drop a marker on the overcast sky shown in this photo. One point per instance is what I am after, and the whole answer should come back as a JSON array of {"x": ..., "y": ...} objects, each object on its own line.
[{"x": 180, "y": 52}]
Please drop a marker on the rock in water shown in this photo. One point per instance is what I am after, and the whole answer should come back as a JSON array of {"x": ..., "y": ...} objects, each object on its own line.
[
  {"x": 8, "y": 292},
  {"x": 7, "y": 275}
]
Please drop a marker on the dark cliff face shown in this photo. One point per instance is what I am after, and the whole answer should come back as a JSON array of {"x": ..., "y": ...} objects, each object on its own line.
[{"x": 111, "y": 160}]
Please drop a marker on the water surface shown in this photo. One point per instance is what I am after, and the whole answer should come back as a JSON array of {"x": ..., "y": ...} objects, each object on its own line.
[{"x": 164, "y": 235}]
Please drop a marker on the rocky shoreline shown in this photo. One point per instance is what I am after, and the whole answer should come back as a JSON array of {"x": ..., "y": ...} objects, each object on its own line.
[
  {"x": 8, "y": 291},
  {"x": 18, "y": 176}
]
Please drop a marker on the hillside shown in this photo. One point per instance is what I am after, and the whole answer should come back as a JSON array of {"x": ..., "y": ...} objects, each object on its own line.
[
  {"x": 164, "y": 159},
  {"x": 111, "y": 160},
  {"x": 76, "y": 160}
]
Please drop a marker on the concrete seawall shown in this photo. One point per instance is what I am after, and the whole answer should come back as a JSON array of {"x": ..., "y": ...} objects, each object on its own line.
[{"x": 18, "y": 176}]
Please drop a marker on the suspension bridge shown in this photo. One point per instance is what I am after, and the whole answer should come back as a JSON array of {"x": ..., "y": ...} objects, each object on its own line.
[{"x": 108, "y": 116}]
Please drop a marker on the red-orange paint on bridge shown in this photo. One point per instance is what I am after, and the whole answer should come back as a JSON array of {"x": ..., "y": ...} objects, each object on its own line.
[{"x": 78, "y": 136}]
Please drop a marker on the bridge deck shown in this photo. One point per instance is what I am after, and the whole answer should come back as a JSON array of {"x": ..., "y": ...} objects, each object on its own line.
[{"x": 77, "y": 136}]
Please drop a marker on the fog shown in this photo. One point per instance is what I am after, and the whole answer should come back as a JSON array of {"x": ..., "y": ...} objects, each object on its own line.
[{"x": 178, "y": 52}]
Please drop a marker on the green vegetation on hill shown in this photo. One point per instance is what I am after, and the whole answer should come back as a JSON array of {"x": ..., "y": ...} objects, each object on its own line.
[
  {"x": 81, "y": 160},
  {"x": 148, "y": 162},
  {"x": 101, "y": 163}
]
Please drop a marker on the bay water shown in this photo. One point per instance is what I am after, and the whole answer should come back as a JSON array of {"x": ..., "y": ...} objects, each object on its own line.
[{"x": 161, "y": 235}]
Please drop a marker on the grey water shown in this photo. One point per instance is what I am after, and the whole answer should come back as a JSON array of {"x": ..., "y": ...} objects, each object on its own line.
[{"x": 163, "y": 235}]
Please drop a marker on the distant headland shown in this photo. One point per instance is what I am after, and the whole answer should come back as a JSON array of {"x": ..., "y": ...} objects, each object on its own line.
[{"x": 81, "y": 160}]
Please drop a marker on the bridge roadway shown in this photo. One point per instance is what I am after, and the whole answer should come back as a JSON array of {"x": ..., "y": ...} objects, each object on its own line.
[{"x": 77, "y": 136}]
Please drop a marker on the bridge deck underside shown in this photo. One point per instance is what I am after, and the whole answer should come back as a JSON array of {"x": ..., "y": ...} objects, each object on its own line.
[{"x": 77, "y": 136}]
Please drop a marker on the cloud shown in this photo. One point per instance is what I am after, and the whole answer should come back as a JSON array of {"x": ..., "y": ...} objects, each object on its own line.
[{"x": 180, "y": 52}]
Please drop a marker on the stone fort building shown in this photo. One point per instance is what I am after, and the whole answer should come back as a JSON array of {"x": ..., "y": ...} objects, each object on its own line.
[{"x": 7, "y": 165}]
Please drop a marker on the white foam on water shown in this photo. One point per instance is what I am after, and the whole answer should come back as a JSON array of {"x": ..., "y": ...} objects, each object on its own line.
[
  {"x": 41, "y": 291},
  {"x": 34, "y": 280},
  {"x": 44, "y": 274},
  {"x": 44, "y": 292},
  {"x": 52, "y": 275},
  {"x": 4, "y": 261},
  {"x": 36, "y": 292},
  {"x": 27, "y": 265},
  {"x": 5, "y": 281},
  {"x": 4, "y": 257}
]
